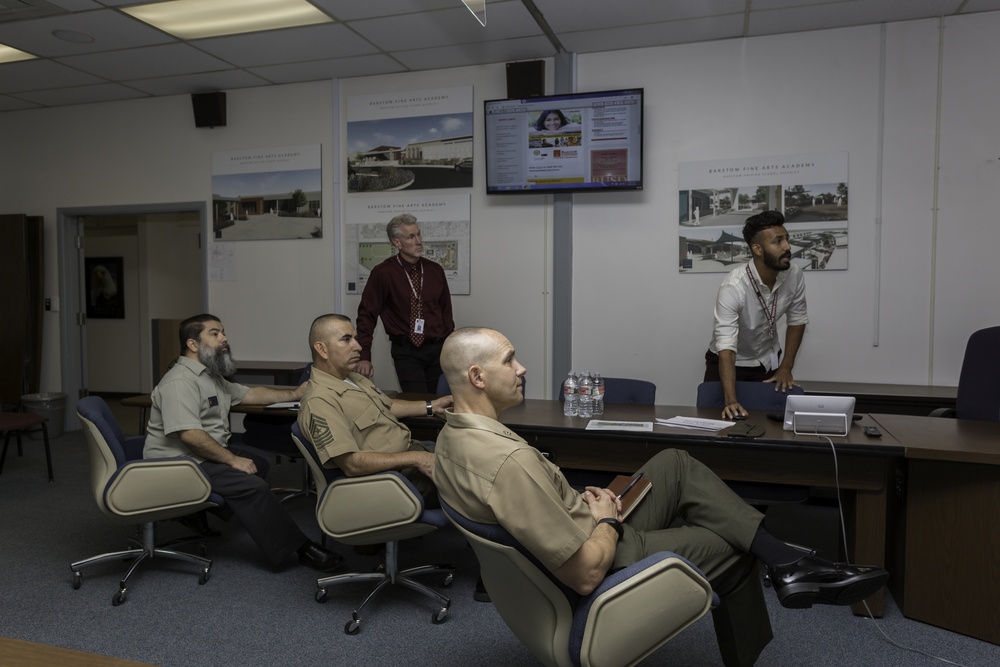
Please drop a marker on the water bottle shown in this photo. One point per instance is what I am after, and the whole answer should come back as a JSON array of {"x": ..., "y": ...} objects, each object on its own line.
[
  {"x": 597, "y": 393},
  {"x": 586, "y": 403},
  {"x": 569, "y": 395}
]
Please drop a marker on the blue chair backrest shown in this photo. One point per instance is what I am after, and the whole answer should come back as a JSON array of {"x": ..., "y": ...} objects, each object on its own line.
[
  {"x": 627, "y": 390},
  {"x": 751, "y": 395},
  {"x": 979, "y": 383},
  {"x": 96, "y": 410},
  {"x": 330, "y": 474},
  {"x": 494, "y": 532}
]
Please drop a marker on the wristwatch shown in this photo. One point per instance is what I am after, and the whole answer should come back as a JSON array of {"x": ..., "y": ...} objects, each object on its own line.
[
  {"x": 614, "y": 523},
  {"x": 430, "y": 409}
]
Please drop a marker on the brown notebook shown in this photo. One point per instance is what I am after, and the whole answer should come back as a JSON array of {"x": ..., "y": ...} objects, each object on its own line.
[{"x": 633, "y": 495}]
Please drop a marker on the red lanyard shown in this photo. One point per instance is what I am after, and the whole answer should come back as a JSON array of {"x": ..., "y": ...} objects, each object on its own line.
[{"x": 769, "y": 314}]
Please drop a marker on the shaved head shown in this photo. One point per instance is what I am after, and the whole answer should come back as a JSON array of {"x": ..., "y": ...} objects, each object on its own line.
[
  {"x": 320, "y": 326},
  {"x": 464, "y": 348}
]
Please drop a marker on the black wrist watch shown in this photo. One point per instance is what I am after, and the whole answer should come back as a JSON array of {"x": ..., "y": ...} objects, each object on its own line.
[
  {"x": 614, "y": 523},
  {"x": 430, "y": 409}
]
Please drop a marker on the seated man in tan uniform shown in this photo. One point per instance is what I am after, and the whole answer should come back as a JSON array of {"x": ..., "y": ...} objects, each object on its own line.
[
  {"x": 490, "y": 475},
  {"x": 350, "y": 422}
]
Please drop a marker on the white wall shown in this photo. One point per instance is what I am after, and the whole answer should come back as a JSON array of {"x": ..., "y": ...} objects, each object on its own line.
[{"x": 918, "y": 295}]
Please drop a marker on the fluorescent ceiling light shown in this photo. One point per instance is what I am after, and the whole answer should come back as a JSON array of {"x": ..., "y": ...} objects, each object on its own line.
[
  {"x": 193, "y": 19},
  {"x": 478, "y": 9},
  {"x": 9, "y": 54}
]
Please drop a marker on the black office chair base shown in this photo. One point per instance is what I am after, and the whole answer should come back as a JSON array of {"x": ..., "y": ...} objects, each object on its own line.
[
  {"x": 139, "y": 554},
  {"x": 390, "y": 576}
]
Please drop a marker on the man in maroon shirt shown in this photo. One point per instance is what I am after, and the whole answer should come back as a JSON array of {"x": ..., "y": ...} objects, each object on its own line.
[{"x": 410, "y": 294}]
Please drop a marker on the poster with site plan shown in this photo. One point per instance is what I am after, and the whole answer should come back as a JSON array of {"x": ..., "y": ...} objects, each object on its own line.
[{"x": 444, "y": 226}]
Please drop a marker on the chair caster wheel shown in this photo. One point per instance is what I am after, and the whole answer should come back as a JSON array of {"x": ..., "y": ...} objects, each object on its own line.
[
  {"x": 440, "y": 616},
  {"x": 118, "y": 598},
  {"x": 203, "y": 579},
  {"x": 321, "y": 596},
  {"x": 352, "y": 627},
  {"x": 447, "y": 581},
  {"x": 77, "y": 580}
]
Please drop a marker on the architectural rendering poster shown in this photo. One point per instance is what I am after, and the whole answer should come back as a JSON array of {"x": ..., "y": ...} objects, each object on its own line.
[
  {"x": 267, "y": 193},
  {"x": 410, "y": 140},
  {"x": 444, "y": 227},
  {"x": 717, "y": 196}
]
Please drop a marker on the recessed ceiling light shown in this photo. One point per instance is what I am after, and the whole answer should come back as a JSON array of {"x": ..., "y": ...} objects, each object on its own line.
[
  {"x": 194, "y": 19},
  {"x": 9, "y": 54},
  {"x": 72, "y": 36}
]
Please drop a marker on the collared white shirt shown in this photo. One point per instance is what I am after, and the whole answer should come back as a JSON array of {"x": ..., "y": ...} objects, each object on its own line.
[{"x": 741, "y": 324}]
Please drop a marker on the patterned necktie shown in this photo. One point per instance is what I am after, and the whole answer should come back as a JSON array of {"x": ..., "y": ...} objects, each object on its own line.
[{"x": 416, "y": 280}]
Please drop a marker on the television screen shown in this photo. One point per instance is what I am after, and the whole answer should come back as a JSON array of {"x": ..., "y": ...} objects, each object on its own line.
[{"x": 565, "y": 143}]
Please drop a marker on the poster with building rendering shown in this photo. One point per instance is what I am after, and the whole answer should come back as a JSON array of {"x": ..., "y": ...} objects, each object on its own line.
[
  {"x": 409, "y": 140},
  {"x": 717, "y": 196},
  {"x": 444, "y": 222},
  {"x": 267, "y": 193}
]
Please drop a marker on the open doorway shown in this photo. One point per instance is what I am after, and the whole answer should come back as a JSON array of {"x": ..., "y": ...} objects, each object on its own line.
[{"x": 123, "y": 268}]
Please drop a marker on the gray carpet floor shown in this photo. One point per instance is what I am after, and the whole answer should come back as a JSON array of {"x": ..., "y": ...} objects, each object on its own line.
[{"x": 248, "y": 614}]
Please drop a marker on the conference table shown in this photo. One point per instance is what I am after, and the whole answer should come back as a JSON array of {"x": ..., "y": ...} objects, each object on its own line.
[
  {"x": 866, "y": 465},
  {"x": 920, "y": 500}
]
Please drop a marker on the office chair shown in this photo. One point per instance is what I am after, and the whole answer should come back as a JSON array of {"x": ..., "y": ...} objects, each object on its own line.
[
  {"x": 632, "y": 613},
  {"x": 979, "y": 382},
  {"x": 132, "y": 490},
  {"x": 17, "y": 423},
  {"x": 374, "y": 509},
  {"x": 627, "y": 390},
  {"x": 271, "y": 434},
  {"x": 756, "y": 396}
]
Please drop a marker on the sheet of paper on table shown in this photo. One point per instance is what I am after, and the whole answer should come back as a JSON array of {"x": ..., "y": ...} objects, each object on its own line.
[
  {"x": 607, "y": 425},
  {"x": 695, "y": 424}
]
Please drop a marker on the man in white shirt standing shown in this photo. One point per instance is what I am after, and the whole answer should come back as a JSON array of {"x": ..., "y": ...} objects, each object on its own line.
[{"x": 752, "y": 299}]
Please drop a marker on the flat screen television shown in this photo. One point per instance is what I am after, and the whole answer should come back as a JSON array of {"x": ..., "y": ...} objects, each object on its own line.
[{"x": 578, "y": 142}]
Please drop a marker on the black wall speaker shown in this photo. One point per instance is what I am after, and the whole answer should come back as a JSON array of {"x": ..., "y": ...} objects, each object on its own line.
[
  {"x": 209, "y": 109},
  {"x": 525, "y": 79}
]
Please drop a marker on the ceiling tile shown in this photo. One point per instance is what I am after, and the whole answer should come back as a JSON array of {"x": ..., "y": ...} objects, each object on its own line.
[
  {"x": 447, "y": 27},
  {"x": 654, "y": 34},
  {"x": 350, "y": 10},
  {"x": 14, "y": 104},
  {"x": 148, "y": 62},
  {"x": 110, "y": 30},
  {"x": 198, "y": 83},
  {"x": 843, "y": 14},
  {"x": 525, "y": 48},
  {"x": 107, "y": 92},
  {"x": 287, "y": 46},
  {"x": 590, "y": 14},
  {"x": 40, "y": 74},
  {"x": 338, "y": 68}
]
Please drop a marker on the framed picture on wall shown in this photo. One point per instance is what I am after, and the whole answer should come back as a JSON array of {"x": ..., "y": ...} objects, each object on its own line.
[{"x": 104, "y": 277}]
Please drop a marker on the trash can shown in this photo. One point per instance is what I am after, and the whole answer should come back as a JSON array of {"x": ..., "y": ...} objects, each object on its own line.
[{"x": 47, "y": 404}]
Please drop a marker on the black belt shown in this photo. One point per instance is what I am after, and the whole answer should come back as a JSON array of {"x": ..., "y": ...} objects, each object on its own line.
[{"x": 402, "y": 339}]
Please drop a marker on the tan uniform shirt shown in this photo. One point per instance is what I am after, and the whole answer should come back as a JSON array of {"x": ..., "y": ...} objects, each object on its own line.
[
  {"x": 490, "y": 475},
  {"x": 340, "y": 417}
]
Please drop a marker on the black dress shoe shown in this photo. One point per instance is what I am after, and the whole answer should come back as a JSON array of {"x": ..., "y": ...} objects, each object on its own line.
[
  {"x": 811, "y": 580},
  {"x": 480, "y": 595},
  {"x": 314, "y": 556},
  {"x": 198, "y": 524}
]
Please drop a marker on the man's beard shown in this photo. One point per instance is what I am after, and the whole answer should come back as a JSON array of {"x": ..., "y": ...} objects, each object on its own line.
[
  {"x": 774, "y": 261},
  {"x": 217, "y": 360}
]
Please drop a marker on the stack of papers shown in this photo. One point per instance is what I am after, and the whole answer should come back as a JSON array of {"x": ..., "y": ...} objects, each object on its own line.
[
  {"x": 695, "y": 424},
  {"x": 286, "y": 405},
  {"x": 602, "y": 425}
]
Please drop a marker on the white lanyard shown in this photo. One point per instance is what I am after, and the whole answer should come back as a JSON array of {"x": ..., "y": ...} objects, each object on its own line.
[{"x": 407, "y": 274}]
